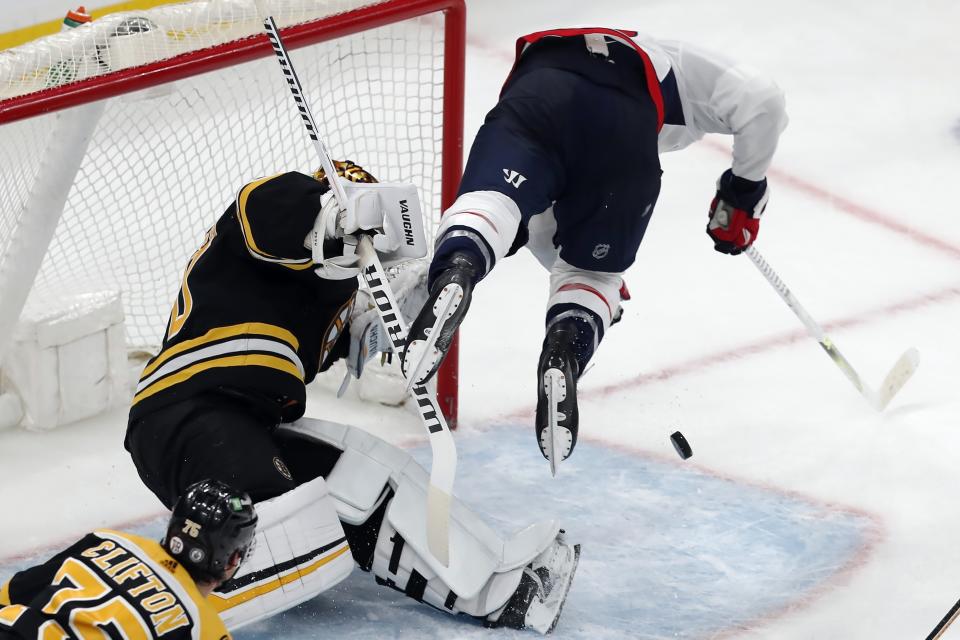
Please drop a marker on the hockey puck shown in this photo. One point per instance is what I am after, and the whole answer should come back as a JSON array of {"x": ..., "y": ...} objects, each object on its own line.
[{"x": 681, "y": 445}]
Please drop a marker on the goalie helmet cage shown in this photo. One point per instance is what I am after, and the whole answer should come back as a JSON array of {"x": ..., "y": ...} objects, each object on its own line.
[{"x": 123, "y": 140}]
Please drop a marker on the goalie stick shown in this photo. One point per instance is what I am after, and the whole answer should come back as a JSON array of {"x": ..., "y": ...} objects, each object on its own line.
[
  {"x": 892, "y": 382},
  {"x": 444, "y": 464}
]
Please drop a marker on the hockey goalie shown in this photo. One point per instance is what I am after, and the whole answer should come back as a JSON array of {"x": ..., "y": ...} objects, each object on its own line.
[{"x": 269, "y": 300}]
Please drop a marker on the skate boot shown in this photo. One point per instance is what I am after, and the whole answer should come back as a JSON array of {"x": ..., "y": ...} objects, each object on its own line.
[
  {"x": 543, "y": 589},
  {"x": 557, "y": 416},
  {"x": 432, "y": 331}
]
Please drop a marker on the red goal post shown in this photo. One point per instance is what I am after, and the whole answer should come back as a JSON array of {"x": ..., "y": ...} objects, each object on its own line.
[{"x": 118, "y": 148}]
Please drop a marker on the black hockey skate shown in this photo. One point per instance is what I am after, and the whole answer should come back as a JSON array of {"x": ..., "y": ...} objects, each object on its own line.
[
  {"x": 557, "y": 415},
  {"x": 432, "y": 331},
  {"x": 544, "y": 585}
]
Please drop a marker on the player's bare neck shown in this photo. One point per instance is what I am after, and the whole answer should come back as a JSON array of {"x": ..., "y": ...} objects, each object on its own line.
[{"x": 206, "y": 588}]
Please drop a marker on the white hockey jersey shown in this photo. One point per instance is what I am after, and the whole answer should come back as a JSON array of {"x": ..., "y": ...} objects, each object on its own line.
[{"x": 719, "y": 95}]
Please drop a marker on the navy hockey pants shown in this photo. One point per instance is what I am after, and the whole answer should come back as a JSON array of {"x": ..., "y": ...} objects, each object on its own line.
[{"x": 556, "y": 138}]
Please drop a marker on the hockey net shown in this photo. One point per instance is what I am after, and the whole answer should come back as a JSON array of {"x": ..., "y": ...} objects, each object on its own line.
[{"x": 149, "y": 122}]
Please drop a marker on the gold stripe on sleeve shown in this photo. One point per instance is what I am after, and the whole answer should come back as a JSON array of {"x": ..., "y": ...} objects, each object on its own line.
[
  {"x": 255, "y": 328},
  {"x": 5, "y": 594}
]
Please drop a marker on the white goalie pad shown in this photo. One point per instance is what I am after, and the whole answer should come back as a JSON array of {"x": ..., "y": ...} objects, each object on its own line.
[
  {"x": 484, "y": 567},
  {"x": 300, "y": 550}
]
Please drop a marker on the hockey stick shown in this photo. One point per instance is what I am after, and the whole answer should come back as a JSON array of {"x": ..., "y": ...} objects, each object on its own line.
[
  {"x": 444, "y": 465},
  {"x": 948, "y": 619},
  {"x": 894, "y": 380}
]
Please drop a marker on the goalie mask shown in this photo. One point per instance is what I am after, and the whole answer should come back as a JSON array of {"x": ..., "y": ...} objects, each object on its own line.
[
  {"x": 211, "y": 521},
  {"x": 345, "y": 169}
]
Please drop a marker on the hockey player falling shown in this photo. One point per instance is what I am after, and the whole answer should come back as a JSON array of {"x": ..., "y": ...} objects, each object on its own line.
[
  {"x": 254, "y": 322},
  {"x": 567, "y": 164},
  {"x": 123, "y": 586}
]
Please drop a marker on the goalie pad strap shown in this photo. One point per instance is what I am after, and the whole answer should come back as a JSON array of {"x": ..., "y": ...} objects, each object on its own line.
[
  {"x": 395, "y": 554},
  {"x": 416, "y": 586}
]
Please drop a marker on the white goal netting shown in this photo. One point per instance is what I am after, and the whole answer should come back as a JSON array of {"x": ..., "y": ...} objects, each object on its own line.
[{"x": 163, "y": 163}]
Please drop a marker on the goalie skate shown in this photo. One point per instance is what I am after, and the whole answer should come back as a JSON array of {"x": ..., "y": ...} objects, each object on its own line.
[
  {"x": 432, "y": 331},
  {"x": 539, "y": 599},
  {"x": 557, "y": 415}
]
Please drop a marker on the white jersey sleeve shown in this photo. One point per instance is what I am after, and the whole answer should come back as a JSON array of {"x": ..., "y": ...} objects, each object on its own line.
[{"x": 719, "y": 95}]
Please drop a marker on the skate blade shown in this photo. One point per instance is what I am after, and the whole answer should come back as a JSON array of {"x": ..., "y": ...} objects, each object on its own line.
[
  {"x": 555, "y": 387},
  {"x": 424, "y": 353}
]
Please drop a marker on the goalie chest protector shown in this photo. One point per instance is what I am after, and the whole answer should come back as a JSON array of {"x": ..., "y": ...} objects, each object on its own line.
[{"x": 251, "y": 315}]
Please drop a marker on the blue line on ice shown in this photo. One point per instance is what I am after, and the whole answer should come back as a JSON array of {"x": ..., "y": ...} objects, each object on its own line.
[{"x": 668, "y": 551}]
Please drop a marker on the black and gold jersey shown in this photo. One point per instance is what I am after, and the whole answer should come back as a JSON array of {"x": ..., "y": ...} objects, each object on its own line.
[
  {"x": 108, "y": 585},
  {"x": 251, "y": 315}
]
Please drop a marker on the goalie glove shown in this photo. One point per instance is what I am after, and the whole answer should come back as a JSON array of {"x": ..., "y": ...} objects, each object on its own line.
[
  {"x": 735, "y": 212},
  {"x": 367, "y": 334},
  {"x": 389, "y": 212}
]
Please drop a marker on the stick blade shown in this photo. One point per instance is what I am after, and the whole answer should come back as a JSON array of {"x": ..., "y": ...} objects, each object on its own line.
[
  {"x": 904, "y": 368},
  {"x": 438, "y": 524}
]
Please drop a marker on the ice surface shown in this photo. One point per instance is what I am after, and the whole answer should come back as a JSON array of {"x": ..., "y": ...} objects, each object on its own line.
[{"x": 668, "y": 551}]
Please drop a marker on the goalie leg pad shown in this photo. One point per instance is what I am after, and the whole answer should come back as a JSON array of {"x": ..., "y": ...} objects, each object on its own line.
[
  {"x": 484, "y": 567},
  {"x": 300, "y": 550},
  {"x": 397, "y": 565}
]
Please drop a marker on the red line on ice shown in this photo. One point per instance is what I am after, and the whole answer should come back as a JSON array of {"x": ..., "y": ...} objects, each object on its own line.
[
  {"x": 739, "y": 352},
  {"x": 697, "y": 365},
  {"x": 65, "y": 541}
]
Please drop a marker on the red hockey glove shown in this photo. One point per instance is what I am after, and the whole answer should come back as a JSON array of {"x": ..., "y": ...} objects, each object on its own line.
[{"x": 735, "y": 212}]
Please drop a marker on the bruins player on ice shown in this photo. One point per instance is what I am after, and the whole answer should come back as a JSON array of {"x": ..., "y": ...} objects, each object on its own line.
[
  {"x": 252, "y": 325},
  {"x": 117, "y": 585}
]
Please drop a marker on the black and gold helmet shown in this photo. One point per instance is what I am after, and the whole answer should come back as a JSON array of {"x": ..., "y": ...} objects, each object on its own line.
[
  {"x": 345, "y": 169},
  {"x": 210, "y": 523}
]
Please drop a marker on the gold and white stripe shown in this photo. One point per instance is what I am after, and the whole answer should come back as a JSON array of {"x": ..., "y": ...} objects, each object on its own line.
[
  {"x": 248, "y": 344},
  {"x": 231, "y": 348}
]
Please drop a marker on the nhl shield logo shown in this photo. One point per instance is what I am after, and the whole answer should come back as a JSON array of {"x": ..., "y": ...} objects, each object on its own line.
[{"x": 600, "y": 251}]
